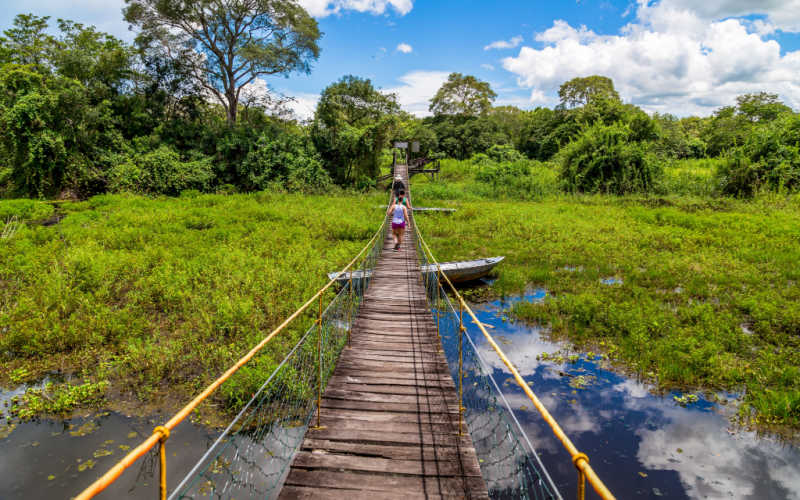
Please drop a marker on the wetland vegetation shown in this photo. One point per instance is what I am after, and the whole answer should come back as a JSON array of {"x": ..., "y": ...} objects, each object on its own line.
[{"x": 706, "y": 293}]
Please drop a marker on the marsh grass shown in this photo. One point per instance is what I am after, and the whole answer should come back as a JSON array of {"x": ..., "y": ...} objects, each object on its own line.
[
  {"x": 694, "y": 270},
  {"x": 158, "y": 297}
]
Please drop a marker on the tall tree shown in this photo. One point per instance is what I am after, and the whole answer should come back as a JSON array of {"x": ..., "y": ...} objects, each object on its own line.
[
  {"x": 462, "y": 95},
  {"x": 27, "y": 42},
  {"x": 352, "y": 124},
  {"x": 227, "y": 44},
  {"x": 760, "y": 107},
  {"x": 581, "y": 91}
]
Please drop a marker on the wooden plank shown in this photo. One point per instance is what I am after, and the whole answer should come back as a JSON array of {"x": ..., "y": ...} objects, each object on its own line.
[
  {"x": 435, "y": 381},
  {"x": 416, "y": 439},
  {"x": 409, "y": 486},
  {"x": 323, "y": 493},
  {"x": 307, "y": 460},
  {"x": 382, "y": 426},
  {"x": 386, "y": 416},
  {"x": 389, "y": 398},
  {"x": 349, "y": 404},
  {"x": 397, "y": 389},
  {"x": 390, "y": 451}
]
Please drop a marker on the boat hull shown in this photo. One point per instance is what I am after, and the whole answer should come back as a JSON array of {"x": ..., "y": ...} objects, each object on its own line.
[{"x": 456, "y": 272}]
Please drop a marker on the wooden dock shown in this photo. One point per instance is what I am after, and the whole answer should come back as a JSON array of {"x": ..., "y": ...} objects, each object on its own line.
[{"x": 390, "y": 419}]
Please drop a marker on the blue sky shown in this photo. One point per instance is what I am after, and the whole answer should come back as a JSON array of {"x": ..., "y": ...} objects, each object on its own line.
[{"x": 678, "y": 56}]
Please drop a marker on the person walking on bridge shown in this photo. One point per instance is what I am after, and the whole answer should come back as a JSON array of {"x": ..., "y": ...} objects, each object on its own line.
[{"x": 399, "y": 214}]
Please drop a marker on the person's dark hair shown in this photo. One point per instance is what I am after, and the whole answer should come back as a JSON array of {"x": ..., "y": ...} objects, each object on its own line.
[{"x": 402, "y": 193}]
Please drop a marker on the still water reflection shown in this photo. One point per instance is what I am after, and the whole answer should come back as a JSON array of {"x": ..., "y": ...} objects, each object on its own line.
[
  {"x": 47, "y": 459},
  {"x": 641, "y": 444}
]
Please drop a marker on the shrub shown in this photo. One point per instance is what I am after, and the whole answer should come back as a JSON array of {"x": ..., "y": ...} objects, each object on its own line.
[
  {"x": 522, "y": 179},
  {"x": 24, "y": 209},
  {"x": 288, "y": 159},
  {"x": 605, "y": 159},
  {"x": 160, "y": 172},
  {"x": 504, "y": 153},
  {"x": 770, "y": 159}
]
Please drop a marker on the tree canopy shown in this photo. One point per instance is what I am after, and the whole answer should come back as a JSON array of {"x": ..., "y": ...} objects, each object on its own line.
[
  {"x": 462, "y": 95},
  {"x": 581, "y": 91},
  {"x": 227, "y": 44},
  {"x": 353, "y": 122}
]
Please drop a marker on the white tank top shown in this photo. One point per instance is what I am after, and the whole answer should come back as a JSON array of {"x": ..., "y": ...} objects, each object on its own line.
[{"x": 398, "y": 217}]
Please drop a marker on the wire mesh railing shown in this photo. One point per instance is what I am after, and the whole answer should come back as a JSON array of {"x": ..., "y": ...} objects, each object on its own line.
[
  {"x": 509, "y": 463},
  {"x": 252, "y": 456}
]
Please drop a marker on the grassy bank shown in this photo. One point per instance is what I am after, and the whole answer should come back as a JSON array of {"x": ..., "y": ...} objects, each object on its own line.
[
  {"x": 146, "y": 300},
  {"x": 709, "y": 295}
]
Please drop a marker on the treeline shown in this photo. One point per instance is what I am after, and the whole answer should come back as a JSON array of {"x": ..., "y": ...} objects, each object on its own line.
[{"x": 82, "y": 112}]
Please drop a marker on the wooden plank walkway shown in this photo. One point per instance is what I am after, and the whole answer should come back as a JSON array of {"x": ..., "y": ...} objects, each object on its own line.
[{"x": 390, "y": 412}]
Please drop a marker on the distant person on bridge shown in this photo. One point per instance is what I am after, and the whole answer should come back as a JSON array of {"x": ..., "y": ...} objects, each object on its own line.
[
  {"x": 399, "y": 215},
  {"x": 399, "y": 187}
]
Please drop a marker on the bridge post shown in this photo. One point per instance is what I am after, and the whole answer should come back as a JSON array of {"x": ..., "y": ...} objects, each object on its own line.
[
  {"x": 319, "y": 362},
  {"x": 438, "y": 280},
  {"x": 461, "y": 331},
  {"x": 350, "y": 310},
  {"x": 162, "y": 455}
]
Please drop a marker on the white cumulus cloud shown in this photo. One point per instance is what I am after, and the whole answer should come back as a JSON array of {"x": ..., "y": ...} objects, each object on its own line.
[
  {"x": 323, "y": 8},
  {"x": 672, "y": 59},
  {"x": 303, "y": 105},
  {"x": 405, "y": 48},
  {"x": 505, "y": 44},
  {"x": 783, "y": 14},
  {"x": 417, "y": 88}
]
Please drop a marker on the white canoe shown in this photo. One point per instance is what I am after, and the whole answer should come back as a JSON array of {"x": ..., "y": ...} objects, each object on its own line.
[
  {"x": 457, "y": 272},
  {"x": 426, "y": 209}
]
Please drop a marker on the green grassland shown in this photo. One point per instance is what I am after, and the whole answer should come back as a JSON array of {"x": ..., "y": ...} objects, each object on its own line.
[
  {"x": 147, "y": 300},
  {"x": 140, "y": 299},
  {"x": 710, "y": 296}
]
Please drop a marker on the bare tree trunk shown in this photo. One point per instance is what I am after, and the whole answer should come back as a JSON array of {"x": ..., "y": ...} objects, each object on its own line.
[{"x": 231, "y": 109}]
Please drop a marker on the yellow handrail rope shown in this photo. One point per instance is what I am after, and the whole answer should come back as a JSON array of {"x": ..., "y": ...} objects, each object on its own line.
[
  {"x": 580, "y": 460},
  {"x": 158, "y": 434}
]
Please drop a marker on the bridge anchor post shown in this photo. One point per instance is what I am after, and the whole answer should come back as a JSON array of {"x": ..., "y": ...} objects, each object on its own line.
[
  {"x": 461, "y": 331},
  {"x": 319, "y": 362},
  {"x": 350, "y": 309}
]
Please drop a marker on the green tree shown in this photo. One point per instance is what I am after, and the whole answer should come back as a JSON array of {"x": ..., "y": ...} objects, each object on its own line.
[
  {"x": 227, "y": 44},
  {"x": 760, "y": 107},
  {"x": 724, "y": 130},
  {"x": 510, "y": 120},
  {"x": 462, "y": 95},
  {"x": 27, "y": 42},
  {"x": 581, "y": 91},
  {"x": 352, "y": 123},
  {"x": 49, "y": 133},
  {"x": 101, "y": 62},
  {"x": 462, "y": 136}
]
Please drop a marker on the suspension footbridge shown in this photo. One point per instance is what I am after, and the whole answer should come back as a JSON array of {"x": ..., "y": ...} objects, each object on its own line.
[
  {"x": 385, "y": 395},
  {"x": 389, "y": 422}
]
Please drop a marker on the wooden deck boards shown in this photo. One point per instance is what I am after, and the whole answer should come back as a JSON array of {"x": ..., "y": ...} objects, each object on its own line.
[{"x": 390, "y": 412}]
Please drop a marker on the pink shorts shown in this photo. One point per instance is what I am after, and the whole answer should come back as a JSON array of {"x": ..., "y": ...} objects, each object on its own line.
[{"x": 402, "y": 225}]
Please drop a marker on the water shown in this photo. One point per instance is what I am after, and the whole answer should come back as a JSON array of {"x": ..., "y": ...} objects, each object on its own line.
[
  {"x": 641, "y": 444},
  {"x": 58, "y": 458}
]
